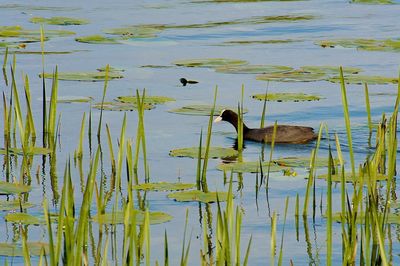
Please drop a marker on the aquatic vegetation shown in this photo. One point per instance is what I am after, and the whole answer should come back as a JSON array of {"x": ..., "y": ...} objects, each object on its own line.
[
  {"x": 210, "y": 62},
  {"x": 118, "y": 217},
  {"x": 361, "y": 79},
  {"x": 10, "y": 205},
  {"x": 163, "y": 186},
  {"x": 16, "y": 250},
  {"x": 84, "y": 76},
  {"x": 24, "y": 218},
  {"x": 7, "y": 188},
  {"x": 62, "y": 21},
  {"x": 214, "y": 152},
  {"x": 20, "y": 32},
  {"x": 292, "y": 76},
  {"x": 137, "y": 31},
  {"x": 147, "y": 100},
  {"x": 330, "y": 70},
  {"x": 387, "y": 45},
  {"x": 200, "y": 196},
  {"x": 200, "y": 109},
  {"x": 348, "y": 177},
  {"x": 27, "y": 151},
  {"x": 373, "y": 1},
  {"x": 74, "y": 99},
  {"x": 286, "y": 97},
  {"x": 97, "y": 39},
  {"x": 120, "y": 106},
  {"x": 250, "y": 167},
  {"x": 252, "y": 69},
  {"x": 303, "y": 162},
  {"x": 250, "y": 42}
]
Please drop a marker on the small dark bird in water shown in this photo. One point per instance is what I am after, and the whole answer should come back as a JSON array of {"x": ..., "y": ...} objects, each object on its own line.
[
  {"x": 185, "y": 81},
  {"x": 284, "y": 133}
]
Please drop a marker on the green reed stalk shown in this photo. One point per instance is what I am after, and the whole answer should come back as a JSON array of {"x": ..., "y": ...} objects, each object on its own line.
[
  {"x": 44, "y": 107},
  {"x": 53, "y": 106},
  {"x": 368, "y": 109},
  {"x": 185, "y": 251},
  {"x": 5, "y": 59},
  {"x": 198, "y": 171},
  {"x": 296, "y": 215},
  {"x": 29, "y": 108},
  {"x": 25, "y": 249},
  {"x": 50, "y": 233},
  {"x": 121, "y": 153},
  {"x": 240, "y": 122},
  {"x": 283, "y": 232},
  {"x": 79, "y": 151},
  {"x": 246, "y": 258},
  {"x": 166, "y": 258},
  {"x": 112, "y": 158},
  {"x": 271, "y": 152},
  {"x": 329, "y": 211},
  {"x": 264, "y": 108},
  {"x": 17, "y": 107},
  {"x": 273, "y": 238},
  {"x": 106, "y": 76}
]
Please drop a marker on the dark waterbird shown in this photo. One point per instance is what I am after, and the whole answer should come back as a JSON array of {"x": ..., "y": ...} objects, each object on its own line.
[
  {"x": 186, "y": 81},
  {"x": 284, "y": 133}
]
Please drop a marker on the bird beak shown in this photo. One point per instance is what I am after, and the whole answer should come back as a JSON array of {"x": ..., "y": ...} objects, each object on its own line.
[{"x": 218, "y": 119}]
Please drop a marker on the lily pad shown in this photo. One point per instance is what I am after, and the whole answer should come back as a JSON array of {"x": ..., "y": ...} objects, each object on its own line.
[
  {"x": 200, "y": 196},
  {"x": 287, "y": 97},
  {"x": 74, "y": 99},
  {"x": 382, "y": 2},
  {"x": 118, "y": 106},
  {"x": 387, "y": 45},
  {"x": 253, "y": 69},
  {"x": 19, "y": 32},
  {"x": 331, "y": 70},
  {"x": 393, "y": 218},
  {"x": 118, "y": 217},
  {"x": 84, "y": 76},
  {"x": 148, "y": 99},
  {"x": 62, "y": 21},
  {"x": 7, "y": 188},
  {"x": 29, "y": 151},
  {"x": 348, "y": 177},
  {"x": 210, "y": 62},
  {"x": 97, "y": 39},
  {"x": 24, "y": 218},
  {"x": 292, "y": 76},
  {"x": 137, "y": 31},
  {"x": 250, "y": 42},
  {"x": 214, "y": 152},
  {"x": 249, "y": 167},
  {"x": 302, "y": 162},
  {"x": 40, "y": 52},
  {"x": 111, "y": 69},
  {"x": 163, "y": 186},
  {"x": 358, "y": 79},
  {"x": 201, "y": 109},
  {"x": 15, "y": 250},
  {"x": 9, "y": 205}
]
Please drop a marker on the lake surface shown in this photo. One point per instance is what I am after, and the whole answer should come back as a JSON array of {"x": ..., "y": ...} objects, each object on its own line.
[{"x": 165, "y": 131}]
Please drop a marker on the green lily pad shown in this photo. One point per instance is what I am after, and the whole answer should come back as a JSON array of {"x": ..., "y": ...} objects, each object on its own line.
[
  {"x": 74, "y": 99},
  {"x": 381, "y": 2},
  {"x": 302, "y": 162},
  {"x": 111, "y": 69},
  {"x": 148, "y": 99},
  {"x": 40, "y": 52},
  {"x": 249, "y": 167},
  {"x": 387, "y": 45},
  {"x": 200, "y": 196},
  {"x": 118, "y": 106},
  {"x": 349, "y": 179},
  {"x": 97, "y": 39},
  {"x": 253, "y": 69},
  {"x": 250, "y": 42},
  {"x": 292, "y": 76},
  {"x": 84, "y": 76},
  {"x": 7, "y": 188},
  {"x": 156, "y": 66},
  {"x": 62, "y": 21},
  {"x": 118, "y": 217},
  {"x": 214, "y": 152},
  {"x": 287, "y": 97},
  {"x": 29, "y": 151},
  {"x": 201, "y": 109},
  {"x": 9, "y": 205},
  {"x": 24, "y": 218},
  {"x": 358, "y": 79},
  {"x": 19, "y": 32},
  {"x": 393, "y": 218},
  {"x": 210, "y": 62},
  {"x": 163, "y": 186},
  {"x": 15, "y": 250},
  {"x": 331, "y": 70},
  {"x": 36, "y": 7},
  {"x": 137, "y": 31}
]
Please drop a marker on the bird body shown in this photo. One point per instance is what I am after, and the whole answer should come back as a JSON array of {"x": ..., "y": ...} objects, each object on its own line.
[{"x": 284, "y": 133}]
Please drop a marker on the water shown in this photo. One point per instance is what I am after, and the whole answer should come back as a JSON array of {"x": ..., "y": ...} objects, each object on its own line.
[{"x": 165, "y": 131}]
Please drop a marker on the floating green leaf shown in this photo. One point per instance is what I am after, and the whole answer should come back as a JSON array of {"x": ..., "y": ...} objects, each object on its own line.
[
  {"x": 249, "y": 167},
  {"x": 97, "y": 39},
  {"x": 285, "y": 97},
  {"x": 387, "y": 45},
  {"x": 302, "y": 162},
  {"x": 74, "y": 99},
  {"x": 13, "y": 188},
  {"x": 331, "y": 70},
  {"x": 15, "y": 250},
  {"x": 253, "y": 69},
  {"x": 118, "y": 106},
  {"x": 384, "y": 2},
  {"x": 348, "y": 177},
  {"x": 62, "y": 21},
  {"x": 163, "y": 186},
  {"x": 118, "y": 217},
  {"x": 84, "y": 76},
  {"x": 201, "y": 109},
  {"x": 197, "y": 195},
  {"x": 210, "y": 62},
  {"x": 111, "y": 69},
  {"x": 137, "y": 31},
  {"x": 24, "y": 218},
  {"x": 214, "y": 152},
  {"x": 28, "y": 151},
  {"x": 292, "y": 76},
  {"x": 249, "y": 42},
  {"x": 358, "y": 79},
  {"x": 18, "y": 31},
  {"x": 9, "y": 205},
  {"x": 148, "y": 99}
]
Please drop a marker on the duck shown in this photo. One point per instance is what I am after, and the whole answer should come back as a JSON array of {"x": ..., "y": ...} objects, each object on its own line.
[{"x": 284, "y": 133}]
